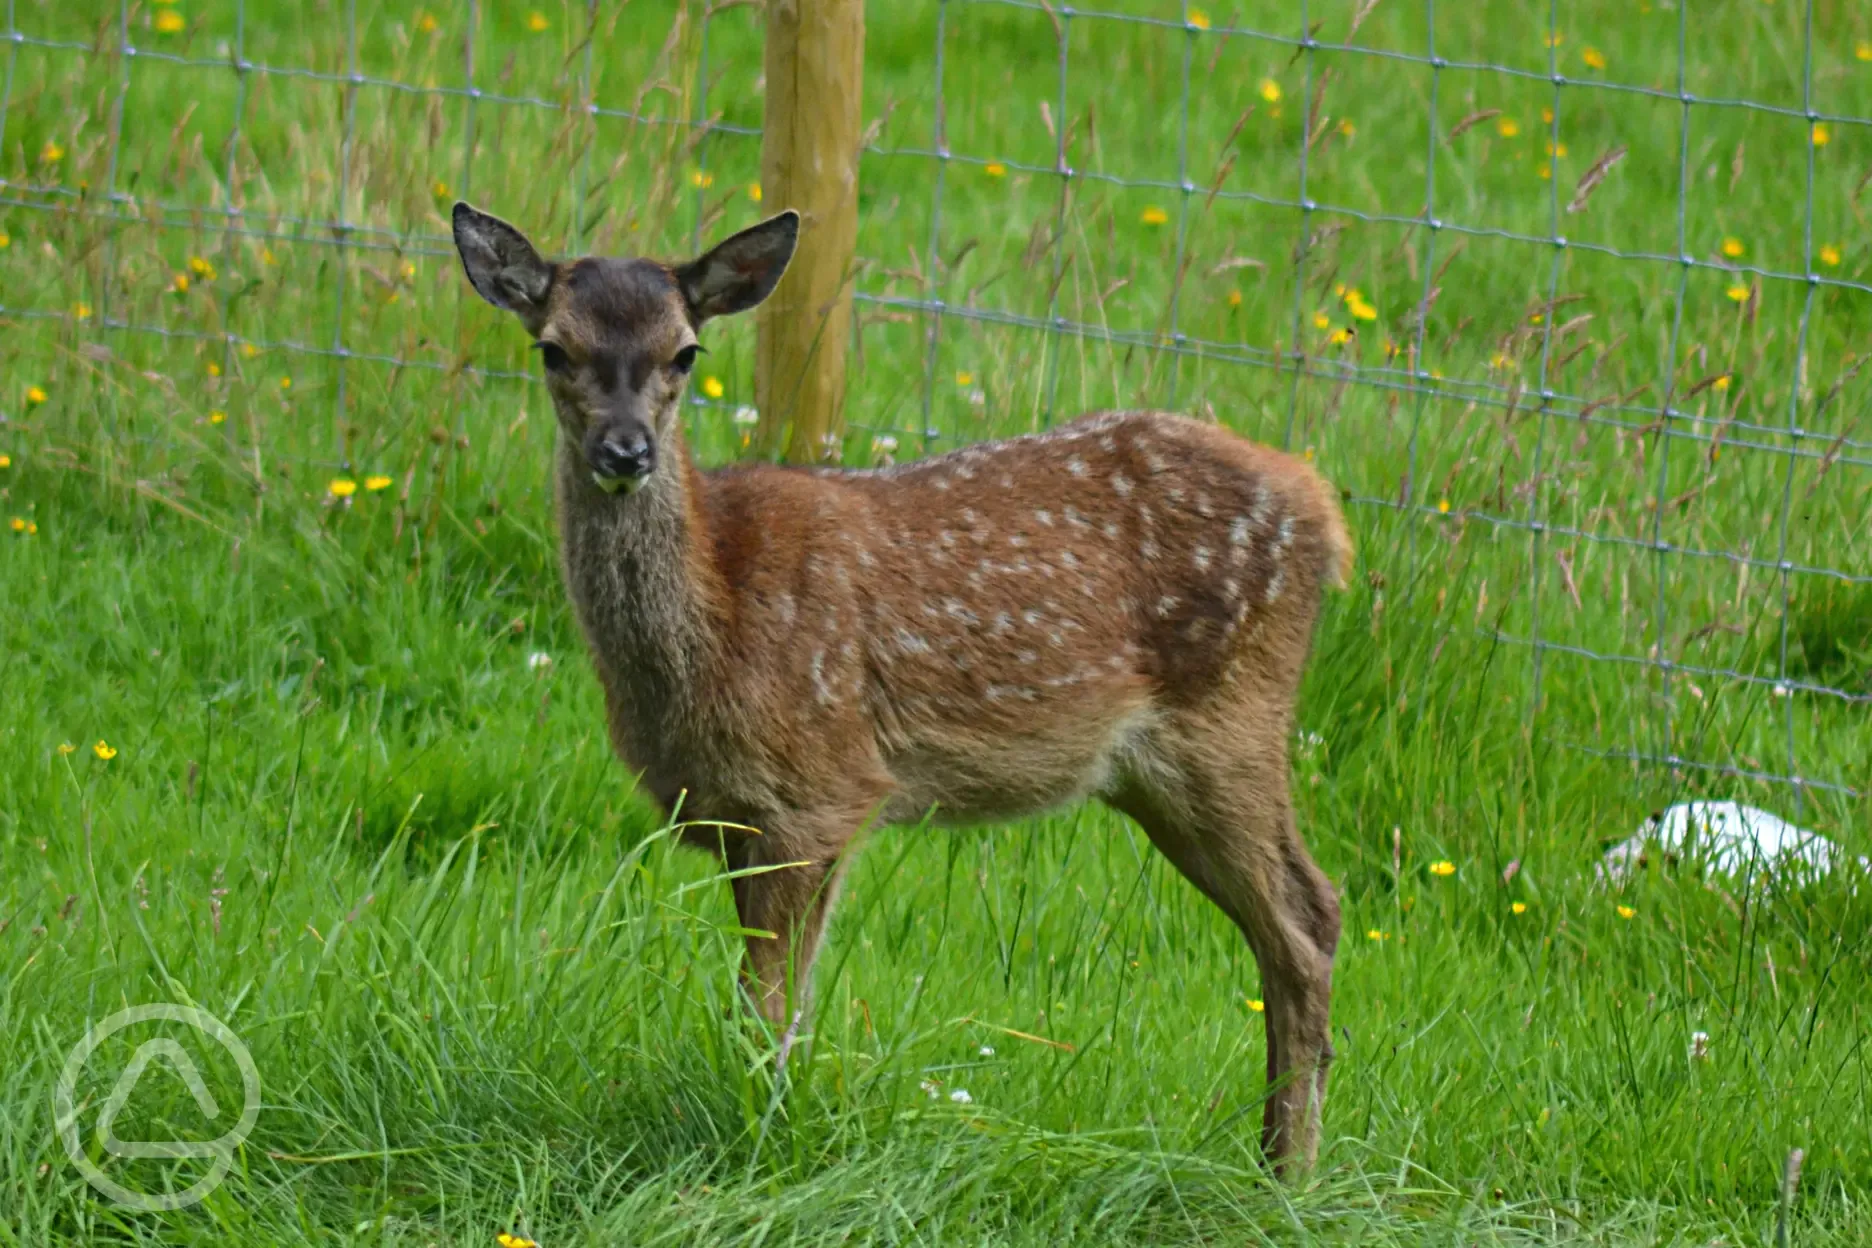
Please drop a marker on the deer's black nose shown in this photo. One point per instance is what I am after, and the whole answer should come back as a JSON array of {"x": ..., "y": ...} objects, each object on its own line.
[{"x": 624, "y": 457}]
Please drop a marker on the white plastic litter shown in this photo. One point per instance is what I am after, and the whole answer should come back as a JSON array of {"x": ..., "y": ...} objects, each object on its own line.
[{"x": 1727, "y": 837}]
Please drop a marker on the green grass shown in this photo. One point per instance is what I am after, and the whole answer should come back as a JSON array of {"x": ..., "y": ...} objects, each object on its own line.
[{"x": 351, "y": 816}]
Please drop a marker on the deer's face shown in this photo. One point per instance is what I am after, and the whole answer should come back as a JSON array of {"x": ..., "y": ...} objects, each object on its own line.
[{"x": 618, "y": 337}]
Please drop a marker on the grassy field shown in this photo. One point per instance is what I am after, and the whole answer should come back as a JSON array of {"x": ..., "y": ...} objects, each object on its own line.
[{"x": 359, "y": 804}]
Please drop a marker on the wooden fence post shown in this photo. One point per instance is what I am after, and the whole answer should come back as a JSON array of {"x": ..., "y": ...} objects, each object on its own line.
[{"x": 809, "y": 161}]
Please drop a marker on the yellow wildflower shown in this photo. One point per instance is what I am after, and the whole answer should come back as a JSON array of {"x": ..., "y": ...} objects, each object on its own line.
[
  {"x": 1737, "y": 293},
  {"x": 81, "y": 310},
  {"x": 702, "y": 179},
  {"x": 1626, "y": 912},
  {"x": 1321, "y": 320},
  {"x": 1442, "y": 868},
  {"x": 1154, "y": 215},
  {"x": 712, "y": 387},
  {"x": 1546, "y": 116},
  {"x": 965, "y": 378},
  {"x": 35, "y": 395},
  {"x": 1270, "y": 91},
  {"x": 1545, "y": 171},
  {"x": 1507, "y": 127},
  {"x": 266, "y": 253},
  {"x": 376, "y": 482},
  {"x": 1821, "y": 134},
  {"x": 51, "y": 152},
  {"x": 201, "y": 268},
  {"x": 427, "y": 24},
  {"x": 1554, "y": 39},
  {"x": 19, "y": 524},
  {"x": 995, "y": 169},
  {"x": 1375, "y": 934},
  {"x": 104, "y": 750},
  {"x": 1339, "y": 337},
  {"x": 1307, "y": 455},
  {"x": 1234, "y": 298},
  {"x": 1442, "y": 506},
  {"x": 342, "y": 487},
  {"x": 6, "y": 240},
  {"x": 1360, "y": 309},
  {"x": 6, "y": 461},
  {"x": 1722, "y": 382},
  {"x": 1347, "y": 128},
  {"x": 1830, "y": 255},
  {"x": 285, "y": 383},
  {"x": 179, "y": 283},
  {"x": 249, "y": 350},
  {"x": 514, "y": 1241},
  {"x": 1256, "y": 1004},
  {"x": 1733, "y": 248},
  {"x": 170, "y": 22},
  {"x": 1198, "y": 19},
  {"x": 1864, "y": 50},
  {"x": 439, "y": 189},
  {"x": 1594, "y": 58},
  {"x": 217, "y": 416},
  {"x": 67, "y": 748},
  {"x": 1554, "y": 149},
  {"x": 536, "y": 21},
  {"x": 1519, "y": 907},
  {"x": 214, "y": 369},
  {"x": 754, "y": 192}
]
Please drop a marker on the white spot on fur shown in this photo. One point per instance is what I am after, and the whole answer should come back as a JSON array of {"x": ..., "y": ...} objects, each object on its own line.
[
  {"x": 821, "y": 690},
  {"x": 1017, "y": 540},
  {"x": 1044, "y": 516},
  {"x": 1122, "y": 484},
  {"x": 1165, "y": 605},
  {"x": 1238, "y": 531},
  {"x": 1076, "y": 466},
  {"x": 1200, "y": 556},
  {"x": 1003, "y": 624},
  {"x": 912, "y": 643}
]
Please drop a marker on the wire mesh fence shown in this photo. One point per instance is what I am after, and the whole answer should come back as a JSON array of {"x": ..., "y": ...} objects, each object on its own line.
[{"x": 1604, "y": 406}]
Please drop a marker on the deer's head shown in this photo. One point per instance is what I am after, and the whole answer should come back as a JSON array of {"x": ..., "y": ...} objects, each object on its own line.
[{"x": 618, "y": 336}]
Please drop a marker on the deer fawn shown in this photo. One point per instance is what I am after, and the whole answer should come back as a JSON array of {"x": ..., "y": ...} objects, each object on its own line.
[{"x": 1120, "y": 607}]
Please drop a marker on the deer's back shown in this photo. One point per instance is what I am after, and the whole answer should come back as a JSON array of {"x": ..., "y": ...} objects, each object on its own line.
[{"x": 1000, "y": 628}]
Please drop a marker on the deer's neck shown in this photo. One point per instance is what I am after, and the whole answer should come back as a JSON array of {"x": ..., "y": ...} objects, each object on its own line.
[{"x": 643, "y": 585}]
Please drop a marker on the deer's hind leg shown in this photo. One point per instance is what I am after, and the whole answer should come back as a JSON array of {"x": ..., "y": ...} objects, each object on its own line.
[{"x": 1215, "y": 801}]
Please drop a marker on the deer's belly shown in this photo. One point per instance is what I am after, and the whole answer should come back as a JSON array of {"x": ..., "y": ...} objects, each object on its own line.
[{"x": 972, "y": 777}]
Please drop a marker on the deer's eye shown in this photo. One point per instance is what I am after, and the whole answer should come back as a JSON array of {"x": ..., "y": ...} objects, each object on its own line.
[
  {"x": 685, "y": 358},
  {"x": 554, "y": 357}
]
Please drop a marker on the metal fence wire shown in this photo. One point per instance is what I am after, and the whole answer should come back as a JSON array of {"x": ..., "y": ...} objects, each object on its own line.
[{"x": 1235, "y": 139}]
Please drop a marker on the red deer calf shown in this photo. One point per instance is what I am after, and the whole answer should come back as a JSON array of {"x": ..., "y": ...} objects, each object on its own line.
[{"x": 1120, "y": 607}]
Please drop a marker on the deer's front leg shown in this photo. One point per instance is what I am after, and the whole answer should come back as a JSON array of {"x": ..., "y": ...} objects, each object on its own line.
[{"x": 787, "y": 880}]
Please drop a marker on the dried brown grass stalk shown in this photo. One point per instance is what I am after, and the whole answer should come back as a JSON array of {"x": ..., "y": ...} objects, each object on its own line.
[{"x": 1593, "y": 177}]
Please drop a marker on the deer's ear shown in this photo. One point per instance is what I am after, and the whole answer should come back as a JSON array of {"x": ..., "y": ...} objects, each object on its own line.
[
  {"x": 741, "y": 271},
  {"x": 501, "y": 263}
]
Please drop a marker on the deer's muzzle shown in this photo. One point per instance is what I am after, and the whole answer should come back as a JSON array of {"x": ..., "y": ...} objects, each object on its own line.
[{"x": 622, "y": 462}]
